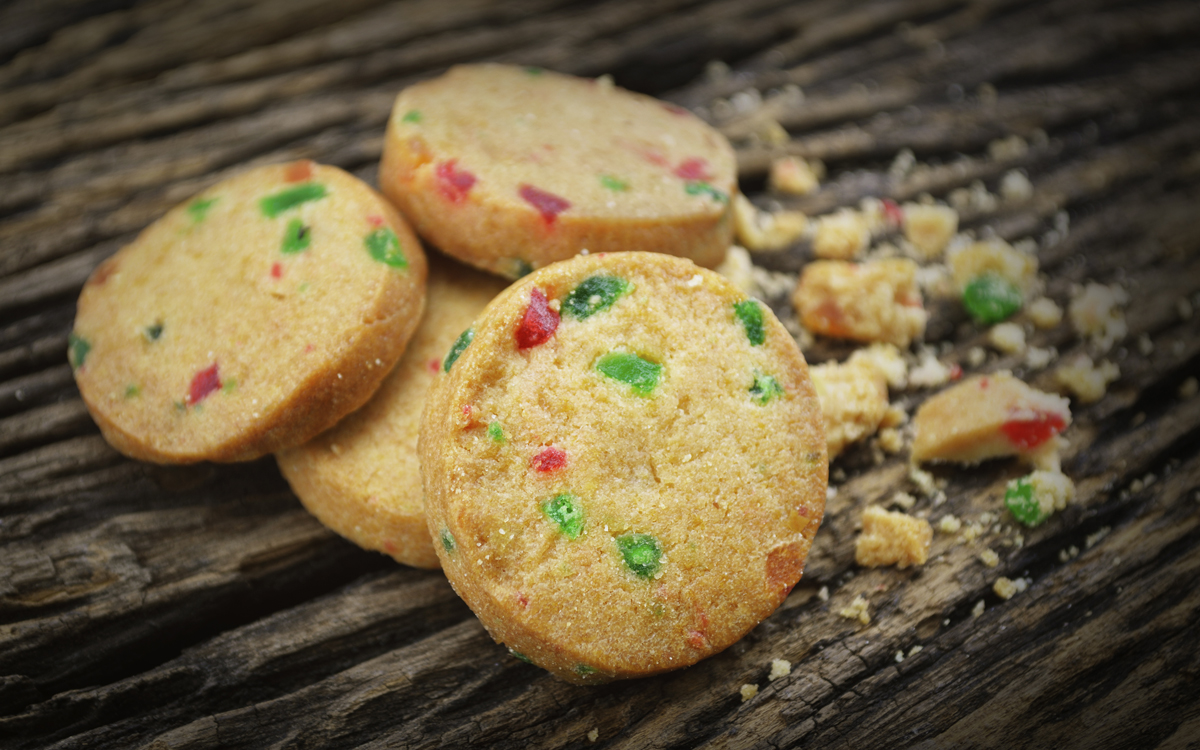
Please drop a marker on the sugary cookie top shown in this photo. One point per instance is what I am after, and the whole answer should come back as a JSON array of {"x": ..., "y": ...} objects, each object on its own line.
[
  {"x": 235, "y": 320},
  {"x": 624, "y": 465},
  {"x": 562, "y": 146}
]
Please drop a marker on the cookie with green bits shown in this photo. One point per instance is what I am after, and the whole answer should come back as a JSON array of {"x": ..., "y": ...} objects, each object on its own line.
[
  {"x": 250, "y": 318},
  {"x": 362, "y": 478},
  {"x": 511, "y": 168},
  {"x": 625, "y": 466}
]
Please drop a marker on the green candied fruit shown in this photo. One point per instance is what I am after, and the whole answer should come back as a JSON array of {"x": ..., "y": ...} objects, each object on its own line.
[
  {"x": 615, "y": 184},
  {"x": 698, "y": 187},
  {"x": 642, "y": 553},
  {"x": 154, "y": 332},
  {"x": 991, "y": 298},
  {"x": 520, "y": 656},
  {"x": 296, "y": 237},
  {"x": 496, "y": 432},
  {"x": 594, "y": 294},
  {"x": 77, "y": 350},
  {"x": 518, "y": 268},
  {"x": 132, "y": 391},
  {"x": 534, "y": 70},
  {"x": 198, "y": 209},
  {"x": 583, "y": 670},
  {"x": 460, "y": 345},
  {"x": 764, "y": 389},
  {"x": 412, "y": 115},
  {"x": 564, "y": 510},
  {"x": 447, "y": 540},
  {"x": 1018, "y": 496},
  {"x": 384, "y": 246},
  {"x": 751, "y": 314},
  {"x": 640, "y": 374},
  {"x": 277, "y": 203}
]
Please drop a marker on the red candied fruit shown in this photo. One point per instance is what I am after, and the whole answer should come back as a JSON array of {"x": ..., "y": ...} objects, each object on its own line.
[
  {"x": 675, "y": 109},
  {"x": 548, "y": 204},
  {"x": 276, "y": 270},
  {"x": 539, "y": 322},
  {"x": 453, "y": 183},
  {"x": 694, "y": 168},
  {"x": 203, "y": 383},
  {"x": 549, "y": 459},
  {"x": 956, "y": 372},
  {"x": 892, "y": 213},
  {"x": 298, "y": 171},
  {"x": 1027, "y": 434}
]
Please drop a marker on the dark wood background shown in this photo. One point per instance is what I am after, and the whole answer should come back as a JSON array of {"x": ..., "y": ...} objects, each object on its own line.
[{"x": 200, "y": 606}]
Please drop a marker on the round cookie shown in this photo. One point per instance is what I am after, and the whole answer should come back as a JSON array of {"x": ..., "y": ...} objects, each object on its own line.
[
  {"x": 510, "y": 169},
  {"x": 362, "y": 478},
  {"x": 625, "y": 468},
  {"x": 248, "y": 319}
]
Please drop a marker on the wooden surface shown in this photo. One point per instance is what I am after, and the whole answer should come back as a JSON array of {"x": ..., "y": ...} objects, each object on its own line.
[{"x": 189, "y": 607}]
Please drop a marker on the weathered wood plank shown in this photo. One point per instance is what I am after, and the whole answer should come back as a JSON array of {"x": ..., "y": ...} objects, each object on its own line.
[{"x": 200, "y": 607}]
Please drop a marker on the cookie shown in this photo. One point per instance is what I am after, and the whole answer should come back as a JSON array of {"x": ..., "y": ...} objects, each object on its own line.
[
  {"x": 625, "y": 467},
  {"x": 877, "y": 300},
  {"x": 248, "y": 319},
  {"x": 510, "y": 168},
  {"x": 362, "y": 478}
]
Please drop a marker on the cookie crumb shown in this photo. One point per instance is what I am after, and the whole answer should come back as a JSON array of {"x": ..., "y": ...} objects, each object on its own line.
[
  {"x": 890, "y": 538},
  {"x": 748, "y": 691},
  {"x": 1085, "y": 380},
  {"x": 1007, "y": 589},
  {"x": 949, "y": 524},
  {"x": 796, "y": 176},
  {"x": 593, "y": 735},
  {"x": 929, "y": 228},
  {"x": 1007, "y": 337},
  {"x": 859, "y": 609},
  {"x": 977, "y": 610},
  {"x": 779, "y": 668},
  {"x": 842, "y": 235},
  {"x": 823, "y": 593},
  {"x": 1044, "y": 313},
  {"x": 1096, "y": 314},
  {"x": 915, "y": 650},
  {"x": 989, "y": 558}
]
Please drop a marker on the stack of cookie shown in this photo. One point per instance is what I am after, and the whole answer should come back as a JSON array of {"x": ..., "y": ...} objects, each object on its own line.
[{"x": 621, "y": 462}]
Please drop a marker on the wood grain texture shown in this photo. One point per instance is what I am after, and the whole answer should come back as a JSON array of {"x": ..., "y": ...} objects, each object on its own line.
[{"x": 201, "y": 607}]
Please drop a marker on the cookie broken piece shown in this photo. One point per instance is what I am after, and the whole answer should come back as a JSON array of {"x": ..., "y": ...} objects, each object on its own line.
[
  {"x": 892, "y": 538},
  {"x": 989, "y": 416},
  {"x": 854, "y": 395},
  {"x": 873, "y": 301}
]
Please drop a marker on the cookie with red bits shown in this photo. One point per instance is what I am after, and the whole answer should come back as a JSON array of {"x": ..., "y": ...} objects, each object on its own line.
[
  {"x": 362, "y": 479},
  {"x": 510, "y": 168},
  {"x": 250, "y": 318},
  {"x": 624, "y": 466}
]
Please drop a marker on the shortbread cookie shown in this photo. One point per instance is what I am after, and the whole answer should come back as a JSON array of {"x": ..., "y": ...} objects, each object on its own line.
[
  {"x": 512, "y": 168},
  {"x": 248, "y": 319},
  {"x": 362, "y": 479},
  {"x": 625, "y": 467}
]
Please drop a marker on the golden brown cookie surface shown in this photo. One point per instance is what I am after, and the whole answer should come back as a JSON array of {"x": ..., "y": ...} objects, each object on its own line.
[
  {"x": 248, "y": 319},
  {"x": 509, "y": 169},
  {"x": 625, "y": 467},
  {"x": 362, "y": 478}
]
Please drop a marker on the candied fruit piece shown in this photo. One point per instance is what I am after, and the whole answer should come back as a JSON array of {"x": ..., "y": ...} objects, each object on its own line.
[
  {"x": 547, "y": 204},
  {"x": 991, "y": 298},
  {"x": 495, "y": 432},
  {"x": 204, "y": 382},
  {"x": 460, "y": 344},
  {"x": 640, "y": 374},
  {"x": 764, "y": 388},
  {"x": 384, "y": 246},
  {"x": 565, "y": 512},
  {"x": 453, "y": 183},
  {"x": 750, "y": 313},
  {"x": 198, "y": 209},
  {"x": 77, "y": 350},
  {"x": 1029, "y": 433},
  {"x": 447, "y": 540},
  {"x": 1018, "y": 496},
  {"x": 296, "y": 238},
  {"x": 277, "y": 203},
  {"x": 538, "y": 323},
  {"x": 642, "y": 553},
  {"x": 549, "y": 459},
  {"x": 594, "y": 294}
]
